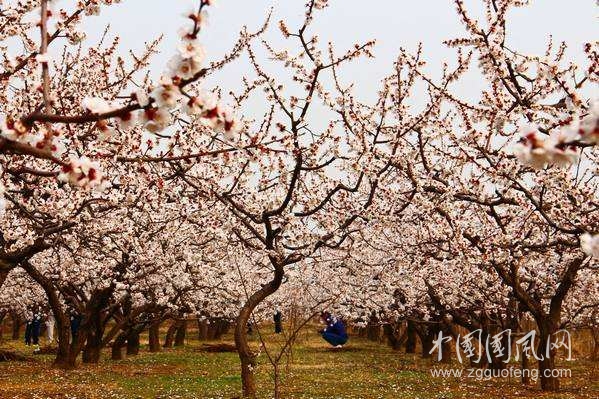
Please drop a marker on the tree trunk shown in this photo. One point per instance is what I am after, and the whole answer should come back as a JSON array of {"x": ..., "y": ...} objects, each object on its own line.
[
  {"x": 16, "y": 326},
  {"x": 411, "y": 337},
  {"x": 524, "y": 366},
  {"x": 392, "y": 340},
  {"x": 246, "y": 356},
  {"x": 202, "y": 329},
  {"x": 66, "y": 354},
  {"x": 133, "y": 343},
  {"x": 426, "y": 338},
  {"x": 446, "y": 352},
  {"x": 595, "y": 334},
  {"x": 396, "y": 335},
  {"x": 211, "y": 333},
  {"x": 247, "y": 360},
  {"x": 222, "y": 328},
  {"x": 181, "y": 333},
  {"x": 63, "y": 337},
  {"x": 170, "y": 334},
  {"x": 92, "y": 351},
  {"x": 154, "y": 337},
  {"x": 498, "y": 362},
  {"x": 374, "y": 328},
  {"x": 68, "y": 346},
  {"x": 118, "y": 346},
  {"x": 2, "y": 317},
  {"x": 93, "y": 344},
  {"x": 547, "y": 365}
]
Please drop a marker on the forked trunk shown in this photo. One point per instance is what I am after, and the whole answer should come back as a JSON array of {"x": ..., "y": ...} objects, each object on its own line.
[{"x": 246, "y": 356}]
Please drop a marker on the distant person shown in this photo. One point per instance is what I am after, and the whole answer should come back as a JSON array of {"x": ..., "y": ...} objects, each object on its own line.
[
  {"x": 75, "y": 322},
  {"x": 36, "y": 327},
  {"x": 277, "y": 317},
  {"x": 28, "y": 330},
  {"x": 32, "y": 329},
  {"x": 334, "y": 332},
  {"x": 50, "y": 321}
]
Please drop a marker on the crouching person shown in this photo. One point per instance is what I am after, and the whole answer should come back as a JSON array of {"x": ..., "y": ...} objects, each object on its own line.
[{"x": 334, "y": 332}]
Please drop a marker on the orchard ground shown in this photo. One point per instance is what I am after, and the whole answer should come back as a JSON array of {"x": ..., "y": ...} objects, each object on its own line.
[{"x": 363, "y": 369}]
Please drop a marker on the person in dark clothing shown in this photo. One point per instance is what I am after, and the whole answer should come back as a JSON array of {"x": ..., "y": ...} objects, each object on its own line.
[
  {"x": 28, "y": 330},
  {"x": 277, "y": 317},
  {"x": 36, "y": 326},
  {"x": 32, "y": 329},
  {"x": 334, "y": 333},
  {"x": 75, "y": 322}
]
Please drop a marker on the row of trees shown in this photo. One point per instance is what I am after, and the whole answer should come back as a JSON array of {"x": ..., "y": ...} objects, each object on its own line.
[{"x": 129, "y": 201}]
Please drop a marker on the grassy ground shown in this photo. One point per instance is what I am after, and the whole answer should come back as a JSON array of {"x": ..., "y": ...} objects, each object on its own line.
[{"x": 361, "y": 370}]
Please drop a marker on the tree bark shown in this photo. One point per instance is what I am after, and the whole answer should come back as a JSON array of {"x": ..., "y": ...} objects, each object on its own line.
[
  {"x": 426, "y": 338},
  {"x": 549, "y": 382},
  {"x": 170, "y": 334},
  {"x": 595, "y": 334},
  {"x": 446, "y": 352},
  {"x": 92, "y": 350},
  {"x": 202, "y": 329},
  {"x": 246, "y": 356},
  {"x": 411, "y": 337},
  {"x": 63, "y": 337},
  {"x": 154, "y": 337},
  {"x": 374, "y": 328},
  {"x": 16, "y": 326},
  {"x": 524, "y": 366},
  {"x": 118, "y": 346},
  {"x": 133, "y": 343},
  {"x": 498, "y": 362},
  {"x": 392, "y": 340},
  {"x": 181, "y": 333},
  {"x": 222, "y": 328},
  {"x": 65, "y": 358},
  {"x": 93, "y": 344}
]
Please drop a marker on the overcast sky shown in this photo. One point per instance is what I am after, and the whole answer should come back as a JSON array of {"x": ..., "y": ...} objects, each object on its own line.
[{"x": 394, "y": 23}]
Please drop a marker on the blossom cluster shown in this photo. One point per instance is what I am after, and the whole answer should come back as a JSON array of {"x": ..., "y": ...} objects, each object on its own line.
[
  {"x": 186, "y": 66},
  {"x": 154, "y": 108},
  {"x": 82, "y": 172},
  {"x": 590, "y": 245},
  {"x": 561, "y": 147}
]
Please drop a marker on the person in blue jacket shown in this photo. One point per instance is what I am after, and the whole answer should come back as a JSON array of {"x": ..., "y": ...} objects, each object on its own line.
[
  {"x": 36, "y": 326},
  {"x": 334, "y": 333},
  {"x": 33, "y": 327}
]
